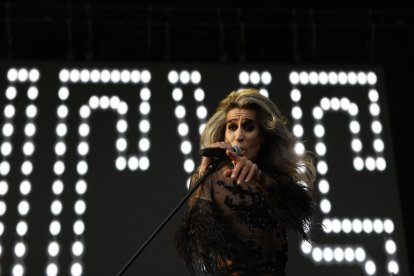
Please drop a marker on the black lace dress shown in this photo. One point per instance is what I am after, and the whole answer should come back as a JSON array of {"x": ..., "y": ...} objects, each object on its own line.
[{"x": 232, "y": 229}]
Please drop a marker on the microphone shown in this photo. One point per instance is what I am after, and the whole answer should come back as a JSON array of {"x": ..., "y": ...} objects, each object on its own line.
[{"x": 219, "y": 153}]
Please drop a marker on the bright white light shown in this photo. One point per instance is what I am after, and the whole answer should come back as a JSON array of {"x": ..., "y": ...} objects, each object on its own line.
[
  {"x": 354, "y": 127},
  {"x": 114, "y": 102},
  {"x": 105, "y": 76},
  {"x": 74, "y": 75},
  {"x": 317, "y": 254},
  {"x": 388, "y": 226},
  {"x": 22, "y": 75},
  {"x": 325, "y": 206},
  {"x": 52, "y": 269},
  {"x": 353, "y": 109},
  {"x": 374, "y": 109},
  {"x": 390, "y": 247},
  {"x": 82, "y": 167},
  {"x": 115, "y": 76},
  {"x": 299, "y": 148},
  {"x": 186, "y": 147},
  {"x": 357, "y": 226},
  {"x": 84, "y": 76},
  {"x": 201, "y": 128},
  {"x": 325, "y": 103},
  {"x": 370, "y": 268},
  {"x": 78, "y": 227},
  {"x": 360, "y": 254},
  {"x": 184, "y": 77},
  {"x": 295, "y": 95},
  {"x": 53, "y": 249},
  {"x": 254, "y": 77},
  {"x": 144, "y": 144},
  {"x": 85, "y": 111},
  {"x": 371, "y": 78},
  {"x": 61, "y": 129},
  {"x": 378, "y": 145},
  {"x": 144, "y": 126},
  {"x": 356, "y": 145},
  {"x": 6, "y": 148},
  {"x": 313, "y": 78},
  {"x": 352, "y": 78},
  {"x": 173, "y": 77},
  {"x": 323, "y": 186},
  {"x": 9, "y": 111},
  {"x": 362, "y": 78},
  {"x": 317, "y": 113},
  {"x": 201, "y": 112},
  {"x": 21, "y": 228},
  {"x": 54, "y": 227},
  {"x": 177, "y": 94},
  {"x": 3, "y": 208},
  {"x": 12, "y": 75},
  {"x": 338, "y": 254},
  {"x": 336, "y": 226},
  {"x": 56, "y": 207},
  {"x": 380, "y": 163},
  {"x": 346, "y": 226},
  {"x": 8, "y": 129},
  {"x": 319, "y": 130},
  {"x": 298, "y": 130},
  {"x": 62, "y": 111},
  {"x": 183, "y": 129},
  {"x": 18, "y": 270},
  {"x": 64, "y": 75},
  {"x": 349, "y": 254},
  {"x": 342, "y": 78},
  {"x": 358, "y": 163},
  {"x": 370, "y": 163},
  {"x": 135, "y": 76},
  {"x": 320, "y": 149},
  {"x": 180, "y": 111},
  {"x": 84, "y": 130},
  {"x": 306, "y": 247},
  {"x": 332, "y": 78},
  {"x": 104, "y": 102},
  {"x": 11, "y": 92},
  {"x": 59, "y": 167},
  {"x": 378, "y": 226},
  {"x": 244, "y": 77},
  {"x": 376, "y": 127},
  {"x": 63, "y": 93},
  {"x": 83, "y": 148},
  {"x": 30, "y": 129},
  {"x": 266, "y": 78},
  {"x": 195, "y": 77},
  {"x": 60, "y": 148},
  {"x": 328, "y": 254},
  {"x": 4, "y": 168},
  {"x": 121, "y": 163},
  {"x": 264, "y": 92},
  {"x": 77, "y": 248},
  {"x": 294, "y": 78},
  {"x": 199, "y": 94},
  {"x": 335, "y": 104},
  {"x": 145, "y": 76},
  {"x": 304, "y": 78},
  {"x": 367, "y": 226},
  {"x": 145, "y": 94},
  {"x": 57, "y": 187},
  {"x": 4, "y": 187},
  {"x": 95, "y": 76},
  {"x": 80, "y": 207},
  {"x": 373, "y": 95},
  {"x": 189, "y": 165},
  {"x": 81, "y": 187},
  {"x": 122, "y": 126},
  {"x": 133, "y": 163},
  {"x": 76, "y": 269},
  {"x": 345, "y": 103},
  {"x": 144, "y": 163},
  {"x": 297, "y": 112},
  {"x": 393, "y": 267},
  {"x": 25, "y": 187},
  {"x": 144, "y": 108},
  {"x": 94, "y": 102},
  {"x": 1, "y": 231},
  {"x": 323, "y": 78}
]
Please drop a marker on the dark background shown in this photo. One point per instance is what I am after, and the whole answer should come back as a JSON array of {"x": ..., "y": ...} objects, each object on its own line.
[{"x": 268, "y": 32}]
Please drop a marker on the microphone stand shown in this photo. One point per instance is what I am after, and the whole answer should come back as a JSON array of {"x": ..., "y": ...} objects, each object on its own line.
[{"x": 212, "y": 167}]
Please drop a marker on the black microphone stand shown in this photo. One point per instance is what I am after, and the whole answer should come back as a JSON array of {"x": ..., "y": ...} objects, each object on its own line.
[{"x": 212, "y": 167}]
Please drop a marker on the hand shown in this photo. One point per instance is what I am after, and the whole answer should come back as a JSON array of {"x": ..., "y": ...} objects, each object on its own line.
[
  {"x": 244, "y": 169},
  {"x": 206, "y": 161}
]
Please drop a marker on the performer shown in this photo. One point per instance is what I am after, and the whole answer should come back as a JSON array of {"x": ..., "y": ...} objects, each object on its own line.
[{"x": 237, "y": 220}]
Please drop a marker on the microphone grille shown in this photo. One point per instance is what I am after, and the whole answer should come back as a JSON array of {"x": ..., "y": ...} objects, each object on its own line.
[{"x": 237, "y": 150}]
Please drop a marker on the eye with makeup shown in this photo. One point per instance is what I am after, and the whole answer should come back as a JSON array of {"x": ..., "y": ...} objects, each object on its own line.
[{"x": 247, "y": 126}]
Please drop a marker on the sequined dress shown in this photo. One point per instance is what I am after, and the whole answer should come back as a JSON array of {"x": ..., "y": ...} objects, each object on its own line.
[{"x": 232, "y": 229}]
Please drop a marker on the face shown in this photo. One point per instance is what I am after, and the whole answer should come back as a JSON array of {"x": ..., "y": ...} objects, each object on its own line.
[{"x": 242, "y": 129}]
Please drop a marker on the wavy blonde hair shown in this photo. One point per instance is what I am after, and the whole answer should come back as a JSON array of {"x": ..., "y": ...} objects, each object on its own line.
[{"x": 277, "y": 154}]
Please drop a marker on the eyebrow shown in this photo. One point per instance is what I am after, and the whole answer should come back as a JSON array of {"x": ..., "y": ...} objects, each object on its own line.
[{"x": 244, "y": 120}]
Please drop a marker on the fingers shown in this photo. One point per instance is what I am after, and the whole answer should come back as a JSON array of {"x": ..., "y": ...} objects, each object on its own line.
[{"x": 244, "y": 170}]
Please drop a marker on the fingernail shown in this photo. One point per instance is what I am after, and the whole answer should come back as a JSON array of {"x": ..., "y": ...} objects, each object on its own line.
[{"x": 233, "y": 176}]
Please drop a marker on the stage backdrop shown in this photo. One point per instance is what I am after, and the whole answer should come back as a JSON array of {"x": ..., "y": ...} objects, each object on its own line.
[{"x": 95, "y": 156}]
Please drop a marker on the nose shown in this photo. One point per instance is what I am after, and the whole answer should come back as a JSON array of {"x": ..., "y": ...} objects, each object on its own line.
[{"x": 239, "y": 135}]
